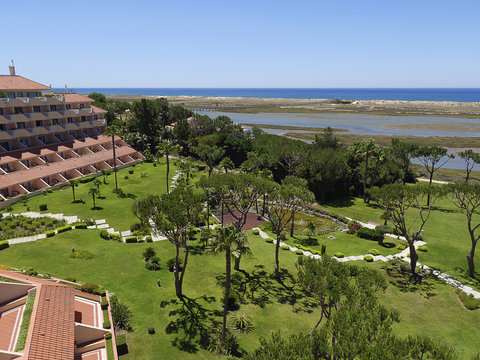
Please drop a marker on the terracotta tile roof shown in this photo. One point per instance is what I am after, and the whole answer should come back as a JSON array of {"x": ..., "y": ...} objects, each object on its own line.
[
  {"x": 22, "y": 176},
  {"x": 75, "y": 98},
  {"x": 99, "y": 110},
  {"x": 53, "y": 335},
  {"x": 9, "y": 82}
]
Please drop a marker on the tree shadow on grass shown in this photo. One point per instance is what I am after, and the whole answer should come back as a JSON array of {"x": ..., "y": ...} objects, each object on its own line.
[
  {"x": 344, "y": 202},
  {"x": 467, "y": 280},
  {"x": 97, "y": 208},
  {"x": 387, "y": 245},
  {"x": 399, "y": 275},
  {"x": 192, "y": 321}
]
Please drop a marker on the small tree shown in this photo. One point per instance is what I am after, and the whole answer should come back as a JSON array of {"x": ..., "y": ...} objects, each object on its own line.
[
  {"x": 112, "y": 130},
  {"x": 282, "y": 201},
  {"x": 471, "y": 158},
  {"x": 94, "y": 192},
  {"x": 397, "y": 200},
  {"x": 73, "y": 183},
  {"x": 226, "y": 164},
  {"x": 105, "y": 173},
  {"x": 97, "y": 184},
  {"x": 228, "y": 239},
  {"x": 466, "y": 197},
  {"x": 166, "y": 149}
]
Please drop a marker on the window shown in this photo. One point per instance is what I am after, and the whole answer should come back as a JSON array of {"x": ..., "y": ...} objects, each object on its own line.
[
  {"x": 2, "y": 127},
  {"x": 55, "y": 121},
  {"x": 53, "y": 107},
  {"x": 11, "y": 95},
  {"x": 82, "y": 106},
  {"x": 71, "y": 133},
  {"x": 68, "y": 107},
  {"x": 70, "y": 120},
  {"x": 18, "y": 110},
  {"x": 24, "y": 142},
  {"x": 21, "y": 125},
  {"x": 1, "y": 111},
  {"x": 42, "y": 139},
  {"x": 39, "y": 123},
  {"x": 36, "y": 109},
  {"x": 84, "y": 118},
  {"x": 95, "y": 117},
  {"x": 19, "y": 94}
]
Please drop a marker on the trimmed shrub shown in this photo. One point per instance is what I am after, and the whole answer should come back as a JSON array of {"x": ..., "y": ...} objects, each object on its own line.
[
  {"x": 299, "y": 252},
  {"x": 42, "y": 207},
  {"x": 100, "y": 292},
  {"x": 370, "y": 234},
  {"x": 81, "y": 225},
  {"x": 104, "y": 234},
  {"x": 255, "y": 232},
  {"x": 148, "y": 239},
  {"x": 368, "y": 258},
  {"x": 384, "y": 229},
  {"x": 108, "y": 336},
  {"x": 115, "y": 237},
  {"x": 64, "y": 228},
  {"x": 4, "y": 244},
  {"x": 423, "y": 248},
  {"x": 104, "y": 305},
  {"x": 374, "y": 252},
  {"x": 89, "y": 287},
  {"x": 285, "y": 247},
  {"x": 30, "y": 272},
  {"x": 151, "y": 330},
  {"x": 269, "y": 240},
  {"x": 131, "y": 239},
  {"x": 401, "y": 247},
  {"x": 339, "y": 255},
  {"x": 106, "y": 324}
]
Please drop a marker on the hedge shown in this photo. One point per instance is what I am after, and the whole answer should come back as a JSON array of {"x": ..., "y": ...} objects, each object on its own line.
[
  {"x": 64, "y": 228},
  {"x": 370, "y": 234},
  {"x": 131, "y": 239},
  {"x": 104, "y": 305},
  {"x": 285, "y": 247},
  {"x": 106, "y": 324},
  {"x": 105, "y": 235},
  {"x": 423, "y": 248},
  {"x": 384, "y": 229},
  {"x": 401, "y": 247},
  {"x": 255, "y": 232},
  {"x": 4, "y": 244},
  {"x": 50, "y": 233},
  {"x": 80, "y": 225},
  {"x": 299, "y": 252}
]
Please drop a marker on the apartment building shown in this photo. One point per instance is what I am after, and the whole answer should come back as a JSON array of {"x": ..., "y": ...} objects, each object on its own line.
[{"x": 48, "y": 138}]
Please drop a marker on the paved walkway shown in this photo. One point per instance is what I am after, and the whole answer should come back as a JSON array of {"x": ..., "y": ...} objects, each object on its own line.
[{"x": 403, "y": 255}]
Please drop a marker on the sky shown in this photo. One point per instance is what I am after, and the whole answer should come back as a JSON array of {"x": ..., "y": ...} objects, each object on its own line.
[{"x": 246, "y": 44}]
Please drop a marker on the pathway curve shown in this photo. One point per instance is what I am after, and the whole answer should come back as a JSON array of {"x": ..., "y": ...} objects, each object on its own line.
[{"x": 403, "y": 255}]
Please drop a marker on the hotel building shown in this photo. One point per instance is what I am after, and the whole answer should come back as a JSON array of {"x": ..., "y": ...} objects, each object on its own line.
[{"x": 47, "y": 139}]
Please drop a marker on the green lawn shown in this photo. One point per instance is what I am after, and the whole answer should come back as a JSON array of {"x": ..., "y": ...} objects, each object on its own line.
[
  {"x": 445, "y": 232},
  {"x": 119, "y": 268},
  {"x": 146, "y": 179}
]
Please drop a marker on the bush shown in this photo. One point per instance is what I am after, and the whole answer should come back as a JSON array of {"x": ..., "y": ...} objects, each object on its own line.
[
  {"x": 423, "y": 248},
  {"x": 149, "y": 253},
  {"x": 243, "y": 323},
  {"x": 64, "y": 228},
  {"x": 106, "y": 324},
  {"x": 121, "y": 315},
  {"x": 104, "y": 305},
  {"x": 108, "y": 336},
  {"x": 115, "y": 237},
  {"x": 151, "y": 330},
  {"x": 384, "y": 229},
  {"x": 131, "y": 239},
  {"x": 122, "y": 347},
  {"x": 401, "y": 247},
  {"x": 104, "y": 234},
  {"x": 339, "y": 255},
  {"x": 269, "y": 240},
  {"x": 171, "y": 264},
  {"x": 100, "y": 292},
  {"x": 354, "y": 228},
  {"x": 374, "y": 252},
  {"x": 89, "y": 287},
  {"x": 232, "y": 301},
  {"x": 81, "y": 225},
  {"x": 368, "y": 258},
  {"x": 219, "y": 347},
  {"x": 255, "y": 232},
  {"x": 148, "y": 239},
  {"x": 468, "y": 300},
  {"x": 153, "y": 263},
  {"x": 130, "y": 172},
  {"x": 30, "y": 272},
  {"x": 42, "y": 207},
  {"x": 299, "y": 252},
  {"x": 370, "y": 234},
  {"x": 285, "y": 247},
  {"x": 4, "y": 244}
]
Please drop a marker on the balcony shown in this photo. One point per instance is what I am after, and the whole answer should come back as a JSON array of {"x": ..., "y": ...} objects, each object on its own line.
[
  {"x": 39, "y": 130},
  {"x": 20, "y": 133},
  {"x": 55, "y": 128},
  {"x": 70, "y": 126}
]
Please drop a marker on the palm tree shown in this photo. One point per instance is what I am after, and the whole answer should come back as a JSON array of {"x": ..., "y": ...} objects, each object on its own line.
[
  {"x": 104, "y": 174},
  {"x": 112, "y": 130},
  {"x": 93, "y": 191},
  {"x": 366, "y": 150},
  {"x": 167, "y": 148},
  {"x": 73, "y": 183},
  {"x": 97, "y": 184},
  {"x": 228, "y": 239}
]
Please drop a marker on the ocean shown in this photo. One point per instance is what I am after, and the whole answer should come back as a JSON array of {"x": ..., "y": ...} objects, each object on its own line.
[{"x": 456, "y": 94}]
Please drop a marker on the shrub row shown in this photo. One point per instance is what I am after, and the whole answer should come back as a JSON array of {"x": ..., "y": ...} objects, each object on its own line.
[
  {"x": 64, "y": 228},
  {"x": 370, "y": 234},
  {"x": 131, "y": 239},
  {"x": 50, "y": 233},
  {"x": 3, "y": 244}
]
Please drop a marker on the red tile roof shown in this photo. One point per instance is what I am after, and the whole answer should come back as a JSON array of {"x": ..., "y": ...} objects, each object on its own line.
[
  {"x": 53, "y": 335},
  {"x": 75, "y": 98},
  {"x": 16, "y": 82},
  {"x": 99, "y": 110}
]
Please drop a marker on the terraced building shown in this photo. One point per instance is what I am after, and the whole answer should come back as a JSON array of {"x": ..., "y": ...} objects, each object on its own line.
[{"x": 48, "y": 138}]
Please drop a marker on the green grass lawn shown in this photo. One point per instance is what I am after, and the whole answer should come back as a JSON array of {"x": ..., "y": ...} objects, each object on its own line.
[
  {"x": 445, "y": 232},
  {"x": 146, "y": 179},
  {"x": 119, "y": 268}
]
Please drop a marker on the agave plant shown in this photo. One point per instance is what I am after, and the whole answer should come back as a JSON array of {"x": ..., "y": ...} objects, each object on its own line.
[{"x": 243, "y": 323}]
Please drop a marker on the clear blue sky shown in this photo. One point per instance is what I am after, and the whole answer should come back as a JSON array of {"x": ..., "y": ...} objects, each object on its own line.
[{"x": 231, "y": 43}]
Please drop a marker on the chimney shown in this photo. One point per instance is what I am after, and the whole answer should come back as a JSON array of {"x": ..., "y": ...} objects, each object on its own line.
[{"x": 12, "y": 70}]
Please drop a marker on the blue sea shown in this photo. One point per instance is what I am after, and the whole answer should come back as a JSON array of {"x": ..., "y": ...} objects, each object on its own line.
[{"x": 455, "y": 94}]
